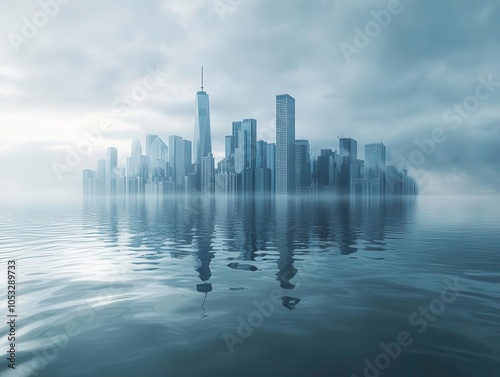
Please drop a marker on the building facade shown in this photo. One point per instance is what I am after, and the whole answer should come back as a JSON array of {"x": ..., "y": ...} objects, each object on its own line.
[{"x": 285, "y": 144}]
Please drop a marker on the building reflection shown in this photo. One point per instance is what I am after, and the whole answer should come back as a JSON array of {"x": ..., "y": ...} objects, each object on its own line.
[
  {"x": 203, "y": 215},
  {"x": 246, "y": 235},
  {"x": 285, "y": 228}
]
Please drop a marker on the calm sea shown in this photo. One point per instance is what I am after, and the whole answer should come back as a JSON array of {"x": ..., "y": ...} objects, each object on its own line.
[{"x": 240, "y": 287}]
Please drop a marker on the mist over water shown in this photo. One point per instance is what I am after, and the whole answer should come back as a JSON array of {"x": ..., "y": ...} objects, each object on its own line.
[{"x": 267, "y": 287}]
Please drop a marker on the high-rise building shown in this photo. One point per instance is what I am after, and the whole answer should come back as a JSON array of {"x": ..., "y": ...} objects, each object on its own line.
[
  {"x": 302, "y": 166},
  {"x": 262, "y": 171},
  {"x": 236, "y": 127},
  {"x": 262, "y": 181},
  {"x": 285, "y": 144},
  {"x": 134, "y": 161},
  {"x": 157, "y": 152},
  {"x": 149, "y": 140},
  {"x": 356, "y": 169},
  {"x": 348, "y": 147},
  {"x": 327, "y": 171},
  {"x": 261, "y": 155},
  {"x": 225, "y": 183},
  {"x": 400, "y": 183},
  {"x": 208, "y": 175},
  {"x": 121, "y": 182},
  {"x": 271, "y": 163},
  {"x": 375, "y": 156},
  {"x": 226, "y": 165},
  {"x": 229, "y": 147},
  {"x": 249, "y": 126},
  {"x": 137, "y": 170},
  {"x": 245, "y": 144},
  {"x": 202, "y": 137},
  {"x": 88, "y": 182},
  {"x": 239, "y": 152},
  {"x": 101, "y": 178},
  {"x": 374, "y": 169},
  {"x": 171, "y": 155},
  {"x": 111, "y": 165},
  {"x": 245, "y": 140},
  {"x": 183, "y": 164}
]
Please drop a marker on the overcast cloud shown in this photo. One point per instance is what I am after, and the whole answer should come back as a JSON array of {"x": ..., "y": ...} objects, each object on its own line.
[{"x": 428, "y": 58}]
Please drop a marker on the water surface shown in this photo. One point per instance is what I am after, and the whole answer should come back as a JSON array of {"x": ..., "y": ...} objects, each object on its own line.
[{"x": 234, "y": 287}]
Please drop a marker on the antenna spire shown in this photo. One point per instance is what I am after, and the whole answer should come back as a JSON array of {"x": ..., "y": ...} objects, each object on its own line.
[{"x": 202, "y": 87}]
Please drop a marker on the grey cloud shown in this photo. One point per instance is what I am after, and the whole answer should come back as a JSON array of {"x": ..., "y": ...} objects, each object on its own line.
[{"x": 396, "y": 90}]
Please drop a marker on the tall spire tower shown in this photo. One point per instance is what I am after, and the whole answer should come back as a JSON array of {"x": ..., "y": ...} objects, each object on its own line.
[
  {"x": 202, "y": 136},
  {"x": 202, "y": 79}
]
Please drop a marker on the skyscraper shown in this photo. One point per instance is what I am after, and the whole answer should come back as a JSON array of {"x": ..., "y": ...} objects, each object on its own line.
[
  {"x": 88, "y": 182},
  {"x": 236, "y": 127},
  {"x": 202, "y": 138},
  {"x": 239, "y": 152},
  {"x": 327, "y": 171},
  {"x": 229, "y": 148},
  {"x": 101, "y": 178},
  {"x": 262, "y": 171},
  {"x": 111, "y": 164},
  {"x": 171, "y": 155},
  {"x": 134, "y": 161},
  {"x": 121, "y": 182},
  {"x": 245, "y": 143},
  {"x": 149, "y": 140},
  {"x": 136, "y": 174},
  {"x": 271, "y": 164},
  {"x": 182, "y": 160},
  {"x": 250, "y": 127},
  {"x": 261, "y": 155},
  {"x": 157, "y": 152},
  {"x": 348, "y": 148},
  {"x": 374, "y": 170},
  {"x": 208, "y": 175},
  {"x": 285, "y": 144},
  {"x": 375, "y": 156},
  {"x": 302, "y": 166}
]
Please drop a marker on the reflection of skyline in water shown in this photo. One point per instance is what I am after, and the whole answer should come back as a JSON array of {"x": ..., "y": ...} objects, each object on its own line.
[
  {"x": 159, "y": 284},
  {"x": 246, "y": 232}
]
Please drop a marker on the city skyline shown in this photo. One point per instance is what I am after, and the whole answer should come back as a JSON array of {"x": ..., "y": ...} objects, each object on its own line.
[
  {"x": 73, "y": 73},
  {"x": 250, "y": 166},
  {"x": 373, "y": 178}
]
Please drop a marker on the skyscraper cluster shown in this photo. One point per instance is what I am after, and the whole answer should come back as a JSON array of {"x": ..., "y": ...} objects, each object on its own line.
[{"x": 249, "y": 167}]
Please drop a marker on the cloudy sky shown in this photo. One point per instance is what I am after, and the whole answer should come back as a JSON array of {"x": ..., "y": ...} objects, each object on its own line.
[{"x": 372, "y": 70}]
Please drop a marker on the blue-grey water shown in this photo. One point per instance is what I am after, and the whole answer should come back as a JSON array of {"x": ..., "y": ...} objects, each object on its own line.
[{"x": 234, "y": 287}]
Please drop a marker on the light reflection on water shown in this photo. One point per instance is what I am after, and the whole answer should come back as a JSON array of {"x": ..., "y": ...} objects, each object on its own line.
[{"x": 148, "y": 288}]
